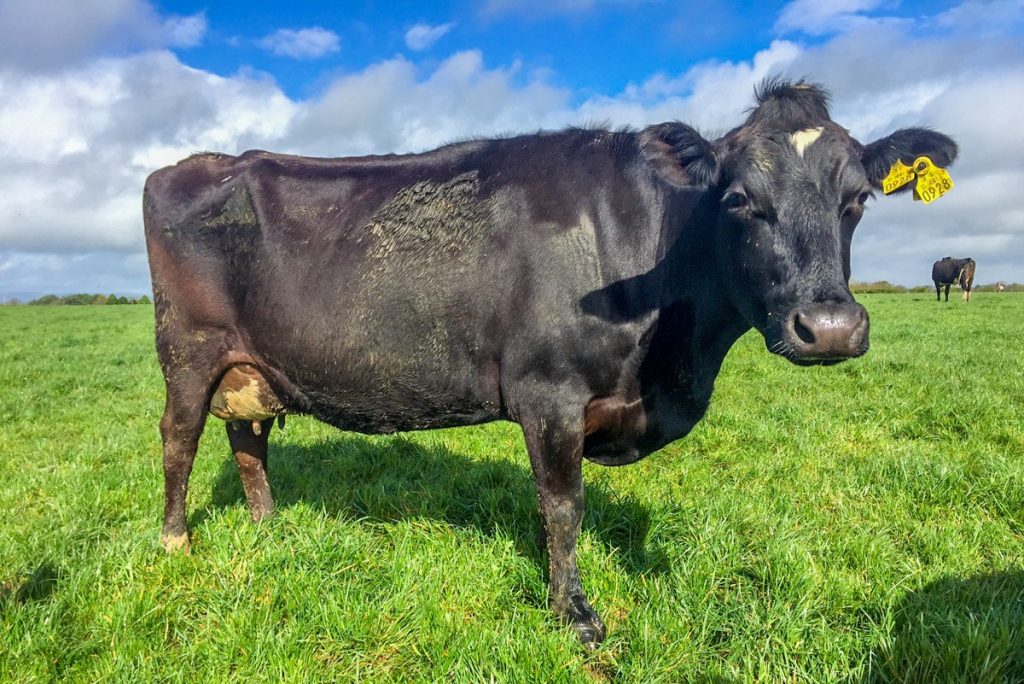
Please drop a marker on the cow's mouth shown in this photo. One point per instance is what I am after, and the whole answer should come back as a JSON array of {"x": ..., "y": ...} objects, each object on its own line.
[{"x": 821, "y": 334}]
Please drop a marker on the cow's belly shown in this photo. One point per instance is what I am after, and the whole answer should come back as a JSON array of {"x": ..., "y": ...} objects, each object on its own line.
[
  {"x": 380, "y": 399},
  {"x": 381, "y": 417},
  {"x": 384, "y": 380}
]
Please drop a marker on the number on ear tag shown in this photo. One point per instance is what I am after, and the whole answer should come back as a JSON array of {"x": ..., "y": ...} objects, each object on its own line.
[
  {"x": 899, "y": 175},
  {"x": 932, "y": 181}
]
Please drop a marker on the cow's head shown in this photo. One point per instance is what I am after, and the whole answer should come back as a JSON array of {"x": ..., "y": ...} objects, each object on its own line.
[{"x": 788, "y": 187}]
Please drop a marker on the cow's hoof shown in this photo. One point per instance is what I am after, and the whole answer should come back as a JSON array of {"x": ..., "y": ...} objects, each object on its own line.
[
  {"x": 176, "y": 543},
  {"x": 261, "y": 512},
  {"x": 585, "y": 622}
]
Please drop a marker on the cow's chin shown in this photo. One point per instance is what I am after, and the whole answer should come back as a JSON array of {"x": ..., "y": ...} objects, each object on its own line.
[
  {"x": 780, "y": 346},
  {"x": 817, "y": 362}
]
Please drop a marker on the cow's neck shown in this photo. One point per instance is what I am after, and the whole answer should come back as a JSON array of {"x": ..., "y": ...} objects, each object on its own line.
[
  {"x": 692, "y": 327},
  {"x": 697, "y": 323}
]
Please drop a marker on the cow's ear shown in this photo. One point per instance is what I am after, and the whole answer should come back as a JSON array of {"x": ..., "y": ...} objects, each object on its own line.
[
  {"x": 680, "y": 155},
  {"x": 906, "y": 145}
]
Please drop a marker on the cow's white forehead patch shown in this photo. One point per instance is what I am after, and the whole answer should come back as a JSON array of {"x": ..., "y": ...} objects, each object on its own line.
[{"x": 803, "y": 139}]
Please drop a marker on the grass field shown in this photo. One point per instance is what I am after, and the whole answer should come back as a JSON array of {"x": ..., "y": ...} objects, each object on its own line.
[{"x": 857, "y": 523}]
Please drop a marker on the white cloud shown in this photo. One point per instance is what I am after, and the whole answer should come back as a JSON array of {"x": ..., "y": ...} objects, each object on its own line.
[
  {"x": 710, "y": 96},
  {"x": 387, "y": 107},
  {"x": 307, "y": 43},
  {"x": 422, "y": 36},
  {"x": 48, "y": 35},
  {"x": 820, "y": 17},
  {"x": 983, "y": 17},
  {"x": 26, "y": 275},
  {"x": 185, "y": 31}
]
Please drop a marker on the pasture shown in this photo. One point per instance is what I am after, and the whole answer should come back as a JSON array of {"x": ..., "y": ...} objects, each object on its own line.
[{"x": 858, "y": 523}]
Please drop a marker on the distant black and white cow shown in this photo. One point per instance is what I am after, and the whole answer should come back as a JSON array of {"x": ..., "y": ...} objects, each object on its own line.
[
  {"x": 948, "y": 270},
  {"x": 585, "y": 284}
]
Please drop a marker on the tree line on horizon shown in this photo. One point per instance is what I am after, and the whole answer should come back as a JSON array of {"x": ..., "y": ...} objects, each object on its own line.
[{"x": 81, "y": 299}]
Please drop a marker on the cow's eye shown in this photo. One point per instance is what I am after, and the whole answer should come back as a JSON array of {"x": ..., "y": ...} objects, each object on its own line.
[
  {"x": 859, "y": 205},
  {"x": 734, "y": 200}
]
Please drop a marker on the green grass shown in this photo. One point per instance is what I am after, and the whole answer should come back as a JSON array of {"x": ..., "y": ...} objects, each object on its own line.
[{"x": 857, "y": 523}]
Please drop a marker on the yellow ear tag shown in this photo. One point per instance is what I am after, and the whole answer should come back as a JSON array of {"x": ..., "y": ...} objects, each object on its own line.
[
  {"x": 932, "y": 181},
  {"x": 899, "y": 175}
]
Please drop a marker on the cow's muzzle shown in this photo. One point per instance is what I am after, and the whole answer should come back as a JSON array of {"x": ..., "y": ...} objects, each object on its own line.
[{"x": 824, "y": 332}]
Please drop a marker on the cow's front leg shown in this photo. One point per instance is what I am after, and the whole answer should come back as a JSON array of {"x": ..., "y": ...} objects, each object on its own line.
[{"x": 556, "y": 454}]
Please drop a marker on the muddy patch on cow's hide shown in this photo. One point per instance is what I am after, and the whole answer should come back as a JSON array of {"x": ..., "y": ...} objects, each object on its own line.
[{"x": 435, "y": 218}]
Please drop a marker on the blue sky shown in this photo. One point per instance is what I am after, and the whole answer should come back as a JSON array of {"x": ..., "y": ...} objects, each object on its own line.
[
  {"x": 592, "y": 48},
  {"x": 96, "y": 94}
]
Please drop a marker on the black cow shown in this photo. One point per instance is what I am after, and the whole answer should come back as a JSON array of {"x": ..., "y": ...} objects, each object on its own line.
[
  {"x": 585, "y": 284},
  {"x": 948, "y": 270}
]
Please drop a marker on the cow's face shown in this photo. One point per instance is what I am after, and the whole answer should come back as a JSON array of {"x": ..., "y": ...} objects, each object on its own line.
[
  {"x": 787, "y": 190},
  {"x": 788, "y": 204}
]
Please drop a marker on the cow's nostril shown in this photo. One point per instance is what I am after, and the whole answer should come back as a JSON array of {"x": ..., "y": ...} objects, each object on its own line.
[{"x": 802, "y": 331}]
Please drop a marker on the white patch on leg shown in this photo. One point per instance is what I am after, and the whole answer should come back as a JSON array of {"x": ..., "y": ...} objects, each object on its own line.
[
  {"x": 803, "y": 139},
  {"x": 176, "y": 543}
]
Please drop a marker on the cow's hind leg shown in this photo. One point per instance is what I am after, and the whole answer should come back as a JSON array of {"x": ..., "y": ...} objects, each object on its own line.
[
  {"x": 250, "y": 451},
  {"x": 947, "y": 290},
  {"x": 556, "y": 454},
  {"x": 180, "y": 428}
]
